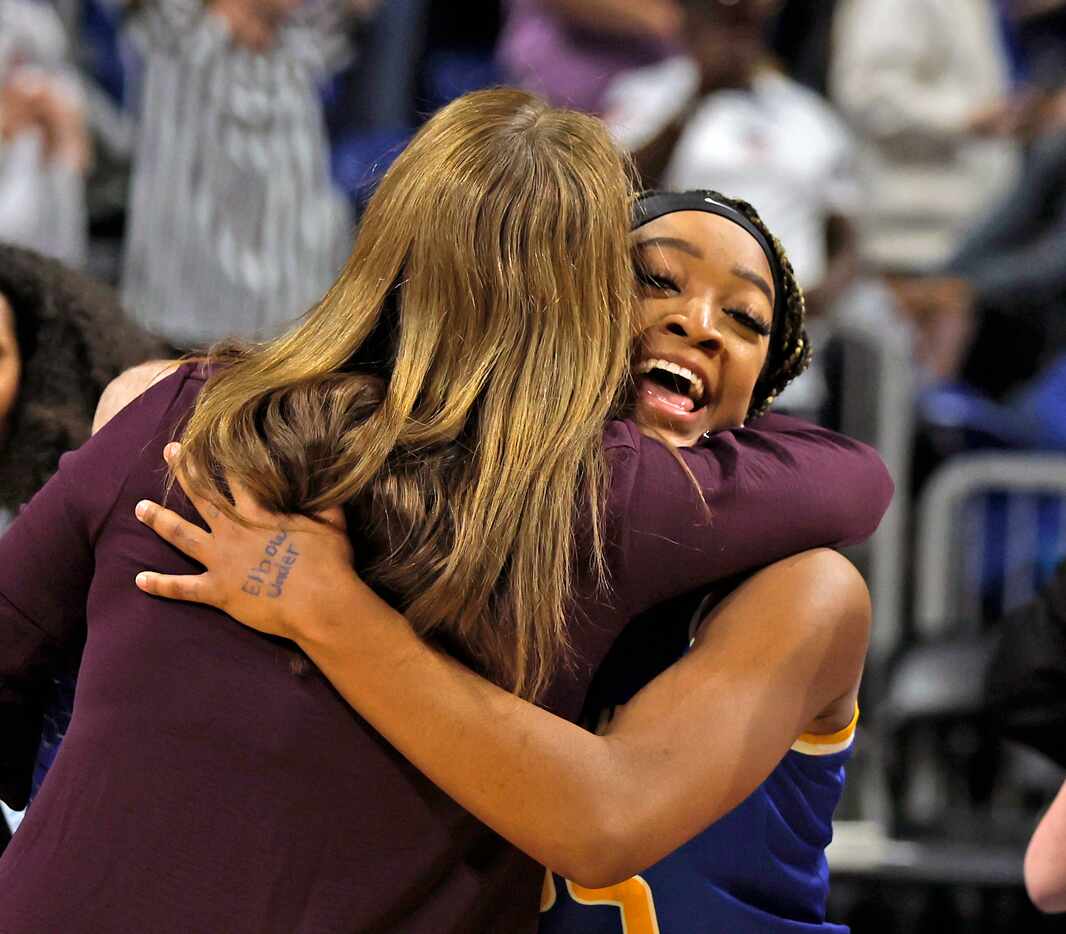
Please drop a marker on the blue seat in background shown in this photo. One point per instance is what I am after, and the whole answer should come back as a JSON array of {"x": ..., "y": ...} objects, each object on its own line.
[{"x": 1032, "y": 419}]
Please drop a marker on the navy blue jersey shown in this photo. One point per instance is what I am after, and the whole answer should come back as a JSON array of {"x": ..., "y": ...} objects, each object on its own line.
[{"x": 760, "y": 869}]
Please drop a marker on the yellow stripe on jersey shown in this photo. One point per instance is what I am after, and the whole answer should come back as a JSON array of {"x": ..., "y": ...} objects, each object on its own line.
[
  {"x": 632, "y": 898},
  {"x": 815, "y": 744}
]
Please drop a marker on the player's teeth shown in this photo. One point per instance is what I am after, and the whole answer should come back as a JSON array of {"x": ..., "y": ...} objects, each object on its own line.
[{"x": 695, "y": 383}]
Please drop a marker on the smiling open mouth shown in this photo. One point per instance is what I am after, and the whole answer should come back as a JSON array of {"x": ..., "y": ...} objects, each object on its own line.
[{"x": 672, "y": 383}]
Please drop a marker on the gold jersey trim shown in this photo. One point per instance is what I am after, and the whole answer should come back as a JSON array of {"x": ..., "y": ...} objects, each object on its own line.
[{"x": 826, "y": 744}]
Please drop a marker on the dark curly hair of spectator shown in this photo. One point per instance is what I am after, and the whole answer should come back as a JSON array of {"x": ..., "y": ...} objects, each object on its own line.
[
  {"x": 790, "y": 348},
  {"x": 73, "y": 339}
]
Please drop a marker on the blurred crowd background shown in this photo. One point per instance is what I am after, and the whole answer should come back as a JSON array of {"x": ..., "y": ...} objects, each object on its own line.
[{"x": 208, "y": 159}]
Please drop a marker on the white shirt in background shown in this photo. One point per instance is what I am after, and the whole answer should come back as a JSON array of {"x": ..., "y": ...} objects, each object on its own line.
[
  {"x": 909, "y": 76},
  {"x": 777, "y": 145}
]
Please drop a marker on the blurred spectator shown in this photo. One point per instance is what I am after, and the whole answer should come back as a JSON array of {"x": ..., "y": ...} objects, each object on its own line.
[
  {"x": 1006, "y": 284},
  {"x": 912, "y": 76},
  {"x": 63, "y": 338},
  {"x": 570, "y": 50},
  {"x": 44, "y": 148},
  {"x": 719, "y": 116},
  {"x": 1014, "y": 267},
  {"x": 235, "y": 225}
]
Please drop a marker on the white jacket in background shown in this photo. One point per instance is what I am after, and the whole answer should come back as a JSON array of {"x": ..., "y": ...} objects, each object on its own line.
[{"x": 908, "y": 76}]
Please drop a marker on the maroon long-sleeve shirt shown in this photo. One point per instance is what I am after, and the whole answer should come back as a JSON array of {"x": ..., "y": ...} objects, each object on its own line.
[{"x": 203, "y": 787}]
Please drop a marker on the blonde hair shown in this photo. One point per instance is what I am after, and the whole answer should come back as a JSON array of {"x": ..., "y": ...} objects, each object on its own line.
[{"x": 453, "y": 384}]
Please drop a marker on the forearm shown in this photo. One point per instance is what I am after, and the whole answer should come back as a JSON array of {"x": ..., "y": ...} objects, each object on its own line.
[
  {"x": 833, "y": 489},
  {"x": 775, "y": 490},
  {"x": 624, "y": 18},
  {"x": 597, "y": 809},
  {"x": 1045, "y": 859},
  {"x": 897, "y": 110},
  {"x": 538, "y": 780}
]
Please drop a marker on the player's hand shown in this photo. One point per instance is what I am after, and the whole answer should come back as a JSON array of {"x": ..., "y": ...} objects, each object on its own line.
[{"x": 274, "y": 573}]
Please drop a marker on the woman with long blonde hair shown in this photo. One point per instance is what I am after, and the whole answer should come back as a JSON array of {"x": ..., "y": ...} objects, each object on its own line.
[
  {"x": 454, "y": 393},
  {"x": 726, "y": 720}
]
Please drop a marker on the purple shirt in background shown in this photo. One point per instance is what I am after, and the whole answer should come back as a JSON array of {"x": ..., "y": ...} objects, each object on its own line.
[
  {"x": 570, "y": 66},
  {"x": 204, "y": 788}
]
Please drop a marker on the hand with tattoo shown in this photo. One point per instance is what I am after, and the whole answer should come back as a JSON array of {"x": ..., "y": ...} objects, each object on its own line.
[{"x": 274, "y": 573}]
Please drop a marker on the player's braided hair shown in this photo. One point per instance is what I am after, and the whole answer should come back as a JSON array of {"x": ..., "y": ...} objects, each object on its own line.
[{"x": 790, "y": 347}]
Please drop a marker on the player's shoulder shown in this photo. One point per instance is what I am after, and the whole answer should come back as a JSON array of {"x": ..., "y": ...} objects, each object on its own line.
[{"x": 132, "y": 384}]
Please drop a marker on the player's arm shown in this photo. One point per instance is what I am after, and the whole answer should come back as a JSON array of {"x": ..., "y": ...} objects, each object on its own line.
[
  {"x": 777, "y": 488},
  {"x": 781, "y": 650}
]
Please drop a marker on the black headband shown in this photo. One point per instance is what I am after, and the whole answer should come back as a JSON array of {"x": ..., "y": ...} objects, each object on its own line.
[{"x": 654, "y": 204}]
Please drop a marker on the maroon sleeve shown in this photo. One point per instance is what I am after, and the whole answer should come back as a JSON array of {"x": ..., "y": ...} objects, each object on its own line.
[
  {"x": 46, "y": 569},
  {"x": 773, "y": 490},
  {"x": 42, "y": 617}
]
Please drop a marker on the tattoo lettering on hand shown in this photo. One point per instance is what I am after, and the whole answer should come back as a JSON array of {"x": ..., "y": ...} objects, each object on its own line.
[{"x": 272, "y": 572}]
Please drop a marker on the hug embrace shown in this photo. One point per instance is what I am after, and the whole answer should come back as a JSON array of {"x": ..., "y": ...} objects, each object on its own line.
[{"x": 529, "y": 414}]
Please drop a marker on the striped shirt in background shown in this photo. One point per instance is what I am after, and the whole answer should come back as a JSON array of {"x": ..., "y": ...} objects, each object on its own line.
[{"x": 235, "y": 227}]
